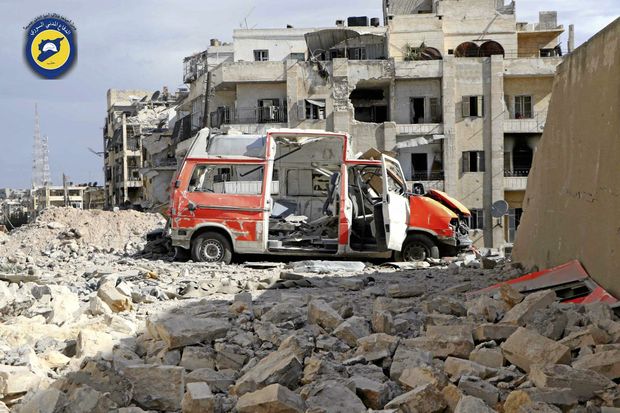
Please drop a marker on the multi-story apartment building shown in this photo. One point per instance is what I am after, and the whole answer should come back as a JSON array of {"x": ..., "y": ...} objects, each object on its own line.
[{"x": 458, "y": 90}]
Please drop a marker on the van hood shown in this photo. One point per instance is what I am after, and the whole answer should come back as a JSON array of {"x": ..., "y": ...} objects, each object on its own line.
[{"x": 448, "y": 201}]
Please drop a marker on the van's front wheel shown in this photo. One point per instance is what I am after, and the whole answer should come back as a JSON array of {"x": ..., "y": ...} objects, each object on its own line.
[
  {"x": 417, "y": 247},
  {"x": 211, "y": 247}
]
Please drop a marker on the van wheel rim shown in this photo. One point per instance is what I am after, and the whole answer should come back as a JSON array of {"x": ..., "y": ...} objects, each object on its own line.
[
  {"x": 415, "y": 253},
  {"x": 211, "y": 251}
]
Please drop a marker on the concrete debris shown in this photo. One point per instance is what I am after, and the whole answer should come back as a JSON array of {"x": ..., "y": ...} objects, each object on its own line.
[{"x": 97, "y": 328}]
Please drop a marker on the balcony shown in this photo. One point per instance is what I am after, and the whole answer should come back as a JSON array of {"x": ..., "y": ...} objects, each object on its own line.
[
  {"x": 420, "y": 129},
  {"x": 229, "y": 74},
  {"x": 516, "y": 179},
  {"x": 264, "y": 115},
  {"x": 531, "y": 66},
  {"x": 421, "y": 69},
  {"x": 430, "y": 180},
  {"x": 528, "y": 123}
]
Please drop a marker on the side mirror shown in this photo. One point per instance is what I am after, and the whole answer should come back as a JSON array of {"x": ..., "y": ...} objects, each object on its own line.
[
  {"x": 191, "y": 206},
  {"x": 418, "y": 189}
]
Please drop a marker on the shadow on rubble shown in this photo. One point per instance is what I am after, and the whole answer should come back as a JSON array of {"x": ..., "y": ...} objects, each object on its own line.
[{"x": 311, "y": 339}]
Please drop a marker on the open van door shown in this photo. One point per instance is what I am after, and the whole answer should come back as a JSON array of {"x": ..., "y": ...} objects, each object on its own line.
[{"x": 395, "y": 203}]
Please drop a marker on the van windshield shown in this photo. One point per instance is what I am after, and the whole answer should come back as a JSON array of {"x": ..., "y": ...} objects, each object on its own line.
[{"x": 252, "y": 146}]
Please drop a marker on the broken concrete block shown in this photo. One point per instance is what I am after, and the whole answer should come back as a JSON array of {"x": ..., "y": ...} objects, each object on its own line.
[
  {"x": 486, "y": 308},
  {"x": 456, "y": 367},
  {"x": 273, "y": 398},
  {"x": 583, "y": 383},
  {"x": 496, "y": 332},
  {"x": 333, "y": 396},
  {"x": 195, "y": 357},
  {"x": 157, "y": 387},
  {"x": 91, "y": 343},
  {"x": 315, "y": 367},
  {"x": 447, "y": 341},
  {"x": 452, "y": 396},
  {"x": 280, "y": 367},
  {"x": 444, "y": 305},
  {"x": 198, "y": 399},
  {"x": 526, "y": 348},
  {"x": 510, "y": 295},
  {"x": 382, "y": 322},
  {"x": 97, "y": 306},
  {"x": 405, "y": 290},
  {"x": 559, "y": 397},
  {"x": 470, "y": 404},
  {"x": 321, "y": 313},
  {"x": 49, "y": 400},
  {"x": 539, "y": 407},
  {"x": 578, "y": 340},
  {"x": 475, "y": 386},
  {"x": 218, "y": 381},
  {"x": 490, "y": 357},
  {"x": 413, "y": 377},
  {"x": 407, "y": 357},
  {"x": 16, "y": 379},
  {"x": 520, "y": 313},
  {"x": 606, "y": 363},
  {"x": 526, "y": 401},
  {"x": 352, "y": 329},
  {"x": 241, "y": 303},
  {"x": 87, "y": 399},
  {"x": 549, "y": 322},
  {"x": 423, "y": 399},
  {"x": 116, "y": 300},
  {"x": 376, "y": 346},
  {"x": 374, "y": 394},
  {"x": 181, "y": 331}
]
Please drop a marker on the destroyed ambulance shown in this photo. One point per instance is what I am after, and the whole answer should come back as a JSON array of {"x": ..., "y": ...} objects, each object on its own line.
[{"x": 300, "y": 192}]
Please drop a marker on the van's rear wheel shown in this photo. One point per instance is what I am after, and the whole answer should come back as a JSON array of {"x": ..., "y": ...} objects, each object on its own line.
[
  {"x": 211, "y": 247},
  {"x": 417, "y": 247}
]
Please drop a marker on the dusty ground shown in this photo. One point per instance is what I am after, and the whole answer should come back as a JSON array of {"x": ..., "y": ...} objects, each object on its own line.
[{"x": 88, "y": 326}]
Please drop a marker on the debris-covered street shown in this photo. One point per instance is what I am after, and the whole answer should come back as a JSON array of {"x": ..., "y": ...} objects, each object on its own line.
[{"x": 90, "y": 325}]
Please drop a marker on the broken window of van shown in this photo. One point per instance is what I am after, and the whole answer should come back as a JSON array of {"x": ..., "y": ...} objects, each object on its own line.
[
  {"x": 473, "y": 106},
  {"x": 227, "y": 179},
  {"x": 315, "y": 108},
  {"x": 237, "y": 146}
]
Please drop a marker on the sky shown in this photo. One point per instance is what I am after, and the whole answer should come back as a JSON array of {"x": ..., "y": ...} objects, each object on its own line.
[{"x": 140, "y": 44}]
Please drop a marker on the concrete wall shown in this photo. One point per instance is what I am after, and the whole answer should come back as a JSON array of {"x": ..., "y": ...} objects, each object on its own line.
[
  {"x": 537, "y": 87},
  {"x": 573, "y": 197},
  {"x": 404, "y": 90},
  {"x": 248, "y": 94},
  {"x": 280, "y": 43}
]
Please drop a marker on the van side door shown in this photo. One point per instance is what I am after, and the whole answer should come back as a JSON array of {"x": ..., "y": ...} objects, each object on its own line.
[{"x": 395, "y": 203}]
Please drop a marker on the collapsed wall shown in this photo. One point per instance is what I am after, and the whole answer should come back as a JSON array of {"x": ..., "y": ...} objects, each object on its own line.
[{"x": 572, "y": 205}]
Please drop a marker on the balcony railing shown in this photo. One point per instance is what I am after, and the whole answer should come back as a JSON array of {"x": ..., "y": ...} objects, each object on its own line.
[
  {"x": 269, "y": 114},
  {"x": 524, "y": 122},
  {"x": 428, "y": 176},
  {"x": 420, "y": 129},
  {"x": 516, "y": 172}
]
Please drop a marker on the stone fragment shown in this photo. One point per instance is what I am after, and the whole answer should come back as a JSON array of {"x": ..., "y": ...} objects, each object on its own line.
[
  {"x": 557, "y": 396},
  {"x": 317, "y": 367},
  {"x": 486, "y": 308},
  {"x": 196, "y": 357},
  {"x": 549, "y": 322},
  {"x": 583, "y": 383},
  {"x": 525, "y": 348},
  {"x": 49, "y": 400},
  {"x": 198, "y": 399},
  {"x": 376, "y": 346},
  {"x": 539, "y": 407},
  {"x": 475, "y": 386},
  {"x": 181, "y": 331},
  {"x": 116, "y": 300},
  {"x": 520, "y": 313},
  {"x": 229, "y": 356},
  {"x": 382, "y": 322},
  {"x": 281, "y": 313},
  {"x": 157, "y": 387},
  {"x": 497, "y": 332},
  {"x": 280, "y": 367},
  {"x": 452, "y": 395},
  {"x": 447, "y": 341},
  {"x": 470, "y": 404},
  {"x": 490, "y": 357},
  {"x": 407, "y": 290},
  {"x": 16, "y": 379},
  {"x": 374, "y": 394},
  {"x": 87, "y": 399},
  {"x": 273, "y": 398},
  {"x": 422, "y": 399},
  {"x": 65, "y": 305},
  {"x": 218, "y": 381},
  {"x": 332, "y": 396},
  {"x": 91, "y": 343},
  {"x": 444, "y": 305},
  {"x": 418, "y": 376},
  {"x": 321, "y": 313},
  {"x": 406, "y": 358},
  {"x": 456, "y": 367},
  {"x": 510, "y": 295},
  {"x": 352, "y": 329},
  {"x": 578, "y": 340},
  {"x": 606, "y": 363}
]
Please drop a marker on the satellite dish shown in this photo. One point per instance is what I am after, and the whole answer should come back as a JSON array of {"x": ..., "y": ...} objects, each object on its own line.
[{"x": 499, "y": 209}]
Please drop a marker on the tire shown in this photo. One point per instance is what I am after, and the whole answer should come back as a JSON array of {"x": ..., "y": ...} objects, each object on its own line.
[
  {"x": 417, "y": 247},
  {"x": 211, "y": 247}
]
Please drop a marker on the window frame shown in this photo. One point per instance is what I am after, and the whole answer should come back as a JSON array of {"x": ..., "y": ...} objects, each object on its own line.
[
  {"x": 476, "y": 220},
  {"x": 466, "y": 106},
  {"x": 466, "y": 165},
  {"x": 310, "y": 108},
  {"x": 228, "y": 166},
  {"x": 522, "y": 105},
  {"x": 261, "y": 55}
]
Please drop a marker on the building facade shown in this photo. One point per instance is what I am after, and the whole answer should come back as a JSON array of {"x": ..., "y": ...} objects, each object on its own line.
[{"x": 458, "y": 91}]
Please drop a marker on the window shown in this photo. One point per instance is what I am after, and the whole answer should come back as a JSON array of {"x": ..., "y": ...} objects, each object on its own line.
[
  {"x": 228, "y": 179},
  {"x": 417, "y": 110},
  {"x": 435, "y": 110},
  {"x": 514, "y": 220},
  {"x": 261, "y": 55},
  {"x": 523, "y": 107},
  {"x": 473, "y": 161},
  {"x": 315, "y": 108},
  {"x": 476, "y": 221},
  {"x": 297, "y": 56},
  {"x": 473, "y": 106}
]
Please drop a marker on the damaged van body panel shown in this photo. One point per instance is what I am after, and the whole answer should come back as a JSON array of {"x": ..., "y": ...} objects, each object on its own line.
[{"x": 294, "y": 192}]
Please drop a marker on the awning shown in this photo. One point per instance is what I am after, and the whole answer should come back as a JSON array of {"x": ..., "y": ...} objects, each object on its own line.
[
  {"x": 319, "y": 103},
  {"x": 326, "y": 39},
  {"x": 420, "y": 141}
]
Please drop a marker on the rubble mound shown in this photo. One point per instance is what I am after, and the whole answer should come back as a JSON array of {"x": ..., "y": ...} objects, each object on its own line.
[{"x": 74, "y": 231}]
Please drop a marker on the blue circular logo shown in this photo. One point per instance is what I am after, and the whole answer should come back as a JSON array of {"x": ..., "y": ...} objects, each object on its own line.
[{"x": 50, "y": 47}]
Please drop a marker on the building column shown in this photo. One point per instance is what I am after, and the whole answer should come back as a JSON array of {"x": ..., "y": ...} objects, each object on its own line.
[
  {"x": 451, "y": 164},
  {"x": 125, "y": 169},
  {"x": 292, "y": 93},
  {"x": 340, "y": 94}
]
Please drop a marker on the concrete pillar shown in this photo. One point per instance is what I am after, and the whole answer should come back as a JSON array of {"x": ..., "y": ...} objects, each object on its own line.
[
  {"x": 451, "y": 163},
  {"x": 340, "y": 93},
  {"x": 571, "y": 38},
  {"x": 493, "y": 138},
  {"x": 292, "y": 93},
  {"x": 125, "y": 169}
]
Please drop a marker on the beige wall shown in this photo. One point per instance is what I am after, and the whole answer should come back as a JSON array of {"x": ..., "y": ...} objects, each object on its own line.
[
  {"x": 573, "y": 197},
  {"x": 404, "y": 90},
  {"x": 537, "y": 87},
  {"x": 530, "y": 43},
  {"x": 248, "y": 94}
]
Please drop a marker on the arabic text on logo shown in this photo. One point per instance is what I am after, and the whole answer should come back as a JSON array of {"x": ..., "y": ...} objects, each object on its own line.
[{"x": 50, "y": 46}]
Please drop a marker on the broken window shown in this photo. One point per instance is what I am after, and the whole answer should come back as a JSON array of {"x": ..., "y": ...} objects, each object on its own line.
[
  {"x": 269, "y": 110},
  {"x": 314, "y": 108},
  {"x": 473, "y": 161},
  {"x": 417, "y": 110},
  {"x": 261, "y": 55},
  {"x": 473, "y": 106},
  {"x": 523, "y": 107},
  {"x": 435, "y": 110},
  {"x": 227, "y": 179},
  {"x": 476, "y": 221}
]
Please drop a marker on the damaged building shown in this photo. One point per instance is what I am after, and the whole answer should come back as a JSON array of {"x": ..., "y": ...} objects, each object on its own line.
[{"x": 457, "y": 90}]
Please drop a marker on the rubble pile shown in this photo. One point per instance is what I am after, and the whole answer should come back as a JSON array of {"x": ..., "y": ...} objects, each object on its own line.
[
  {"x": 107, "y": 332},
  {"x": 65, "y": 233}
]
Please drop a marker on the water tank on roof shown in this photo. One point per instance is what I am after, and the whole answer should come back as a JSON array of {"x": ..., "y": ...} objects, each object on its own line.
[
  {"x": 375, "y": 22},
  {"x": 358, "y": 21}
]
